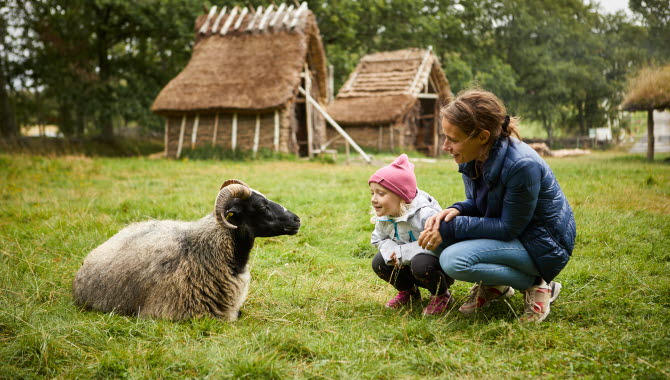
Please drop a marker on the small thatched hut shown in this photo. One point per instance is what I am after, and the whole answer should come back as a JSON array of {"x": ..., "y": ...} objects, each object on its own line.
[
  {"x": 241, "y": 88},
  {"x": 392, "y": 101}
]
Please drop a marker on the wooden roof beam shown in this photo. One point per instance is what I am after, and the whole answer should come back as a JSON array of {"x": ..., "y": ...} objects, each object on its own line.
[
  {"x": 241, "y": 18},
  {"x": 226, "y": 25},
  {"x": 205, "y": 26},
  {"x": 259, "y": 11},
  {"x": 218, "y": 19},
  {"x": 277, "y": 15},
  {"x": 288, "y": 15},
  {"x": 265, "y": 17},
  {"x": 419, "y": 72},
  {"x": 298, "y": 13}
]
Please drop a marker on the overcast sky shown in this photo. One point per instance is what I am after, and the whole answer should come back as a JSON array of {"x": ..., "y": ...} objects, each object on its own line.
[{"x": 611, "y": 6}]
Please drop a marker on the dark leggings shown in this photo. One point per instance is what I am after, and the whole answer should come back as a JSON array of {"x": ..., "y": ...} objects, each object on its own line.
[{"x": 424, "y": 271}]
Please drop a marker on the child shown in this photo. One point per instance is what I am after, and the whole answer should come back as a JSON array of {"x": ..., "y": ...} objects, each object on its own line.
[{"x": 401, "y": 211}]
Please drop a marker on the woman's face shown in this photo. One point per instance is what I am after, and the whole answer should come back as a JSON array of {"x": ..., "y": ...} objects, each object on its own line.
[
  {"x": 464, "y": 148},
  {"x": 385, "y": 202}
]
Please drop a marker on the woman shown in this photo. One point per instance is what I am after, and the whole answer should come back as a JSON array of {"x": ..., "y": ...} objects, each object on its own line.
[{"x": 516, "y": 229}]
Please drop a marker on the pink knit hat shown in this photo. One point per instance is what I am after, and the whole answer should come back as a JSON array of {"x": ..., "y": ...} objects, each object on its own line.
[{"x": 398, "y": 178}]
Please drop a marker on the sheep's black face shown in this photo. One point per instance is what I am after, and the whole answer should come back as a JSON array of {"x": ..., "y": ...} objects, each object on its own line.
[{"x": 262, "y": 217}]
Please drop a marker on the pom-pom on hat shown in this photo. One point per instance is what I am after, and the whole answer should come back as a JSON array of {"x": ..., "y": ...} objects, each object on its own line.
[{"x": 398, "y": 177}]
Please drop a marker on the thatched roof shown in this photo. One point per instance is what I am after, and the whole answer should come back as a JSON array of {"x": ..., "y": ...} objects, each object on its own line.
[
  {"x": 386, "y": 85},
  {"x": 247, "y": 62},
  {"x": 649, "y": 90}
]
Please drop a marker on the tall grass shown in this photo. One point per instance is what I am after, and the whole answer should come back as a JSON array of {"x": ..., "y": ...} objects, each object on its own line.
[{"x": 315, "y": 308}]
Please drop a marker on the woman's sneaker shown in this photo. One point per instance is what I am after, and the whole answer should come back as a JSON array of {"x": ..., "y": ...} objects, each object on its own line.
[
  {"x": 439, "y": 304},
  {"x": 403, "y": 298},
  {"x": 538, "y": 300},
  {"x": 482, "y": 295}
]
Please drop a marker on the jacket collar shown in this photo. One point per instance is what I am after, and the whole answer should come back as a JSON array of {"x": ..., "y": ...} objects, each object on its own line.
[{"x": 493, "y": 164}]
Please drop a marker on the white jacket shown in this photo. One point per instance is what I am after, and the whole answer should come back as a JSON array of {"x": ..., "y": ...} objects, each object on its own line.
[{"x": 400, "y": 234}]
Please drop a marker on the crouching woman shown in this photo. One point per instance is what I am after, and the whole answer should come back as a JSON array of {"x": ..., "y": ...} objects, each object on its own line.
[{"x": 515, "y": 230}]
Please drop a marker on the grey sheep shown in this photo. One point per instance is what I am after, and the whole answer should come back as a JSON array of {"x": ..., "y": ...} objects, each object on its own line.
[{"x": 176, "y": 270}]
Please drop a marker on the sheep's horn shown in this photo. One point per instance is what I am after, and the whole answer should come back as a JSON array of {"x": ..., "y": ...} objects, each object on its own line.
[{"x": 232, "y": 188}]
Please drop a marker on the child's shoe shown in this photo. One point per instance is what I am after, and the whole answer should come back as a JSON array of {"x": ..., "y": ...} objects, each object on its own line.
[
  {"x": 538, "y": 300},
  {"x": 403, "y": 298},
  {"x": 439, "y": 304},
  {"x": 482, "y": 295}
]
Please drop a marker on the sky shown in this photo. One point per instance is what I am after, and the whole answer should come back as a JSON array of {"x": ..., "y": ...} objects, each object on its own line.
[{"x": 612, "y": 6}]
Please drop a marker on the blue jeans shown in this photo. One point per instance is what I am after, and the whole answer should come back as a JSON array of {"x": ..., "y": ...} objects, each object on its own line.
[{"x": 491, "y": 262}]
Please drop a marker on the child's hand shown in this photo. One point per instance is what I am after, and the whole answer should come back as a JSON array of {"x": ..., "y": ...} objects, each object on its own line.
[
  {"x": 394, "y": 260},
  {"x": 430, "y": 239},
  {"x": 433, "y": 223}
]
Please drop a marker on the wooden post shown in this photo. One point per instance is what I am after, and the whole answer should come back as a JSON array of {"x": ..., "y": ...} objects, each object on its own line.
[
  {"x": 335, "y": 125},
  {"x": 275, "y": 141},
  {"x": 216, "y": 129},
  {"x": 380, "y": 138},
  {"x": 257, "y": 133},
  {"x": 346, "y": 149},
  {"x": 181, "y": 135},
  {"x": 233, "y": 137},
  {"x": 194, "y": 134},
  {"x": 308, "y": 112},
  {"x": 650, "y": 135},
  {"x": 391, "y": 137},
  {"x": 167, "y": 124}
]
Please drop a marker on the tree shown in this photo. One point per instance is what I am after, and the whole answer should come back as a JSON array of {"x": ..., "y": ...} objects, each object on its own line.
[
  {"x": 649, "y": 90},
  {"x": 8, "y": 126}
]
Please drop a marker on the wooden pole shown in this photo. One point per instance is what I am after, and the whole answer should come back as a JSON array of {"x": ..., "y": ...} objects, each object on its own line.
[
  {"x": 334, "y": 124},
  {"x": 650, "y": 135},
  {"x": 276, "y": 135},
  {"x": 308, "y": 112},
  {"x": 216, "y": 129},
  {"x": 233, "y": 137},
  {"x": 167, "y": 124},
  {"x": 257, "y": 133},
  {"x": 181, "y": 135},
  {"x": 194, "y": 134}
]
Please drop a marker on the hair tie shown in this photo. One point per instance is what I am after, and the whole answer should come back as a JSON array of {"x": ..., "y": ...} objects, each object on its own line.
[{"x": 505, "y": 123}]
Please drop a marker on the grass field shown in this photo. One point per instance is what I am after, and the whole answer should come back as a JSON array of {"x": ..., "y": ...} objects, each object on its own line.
[{"x": 315, "y": 308}]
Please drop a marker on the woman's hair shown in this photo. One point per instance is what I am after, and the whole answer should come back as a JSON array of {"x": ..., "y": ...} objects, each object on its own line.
[{"x": 476, "y": 110}]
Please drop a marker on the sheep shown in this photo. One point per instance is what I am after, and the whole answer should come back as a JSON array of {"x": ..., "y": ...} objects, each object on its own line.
[{"x": 178, "y": 270}]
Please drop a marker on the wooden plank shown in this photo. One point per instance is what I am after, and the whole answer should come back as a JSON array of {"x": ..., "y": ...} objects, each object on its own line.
[
  {"x": 259, "y": 11},
  {"x": 216, "y": 129},
  {"x": 288, "y": 15},
  {"x": 337, "y": 127},
  {"x": 308, "y": 113},
  {"x": 275, "y": 141},
  {"x": 257, "y": 134},
  {"x": 241, "y": 18},
  {"x": 167, "y": 124},
  {"x": 233, "y": 136},
  {"x": 218, "y": 19},
  {"x": 205, "y": 26},
  {"x": 427, "y": 96},
  {"x": 194, "y": 134},
  {"x": 277, "y": 15},
  {"x": 420, "y": 70},
  {"x": 181, "y": 135},
  {"x": 298, "y": 13},
  {"x": 261, "y": 26},
  {"x": 229, "y": 21}
]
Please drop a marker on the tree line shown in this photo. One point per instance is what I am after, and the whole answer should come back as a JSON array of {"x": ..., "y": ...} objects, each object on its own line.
[{"x": 90, "y": 66}]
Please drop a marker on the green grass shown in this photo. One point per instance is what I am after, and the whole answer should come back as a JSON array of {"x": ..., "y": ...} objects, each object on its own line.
[{"x": 315, "y": 309}]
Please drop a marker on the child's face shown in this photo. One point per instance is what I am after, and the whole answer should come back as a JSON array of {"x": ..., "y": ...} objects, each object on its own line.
[{"x": 385, "y": 202}]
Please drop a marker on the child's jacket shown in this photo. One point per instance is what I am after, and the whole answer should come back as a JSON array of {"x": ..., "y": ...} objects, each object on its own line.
[{"x": 400, "y": 234}]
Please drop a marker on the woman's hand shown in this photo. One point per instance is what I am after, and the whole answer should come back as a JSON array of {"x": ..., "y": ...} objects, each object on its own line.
[
  {"x": 446, "y": 215},
  {"x": 395, "y": 261},
  {"x": 430, "y": 239}
]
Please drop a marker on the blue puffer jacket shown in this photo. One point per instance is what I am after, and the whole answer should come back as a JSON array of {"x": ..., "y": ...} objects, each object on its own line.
[{"x": 524, "y": 202}]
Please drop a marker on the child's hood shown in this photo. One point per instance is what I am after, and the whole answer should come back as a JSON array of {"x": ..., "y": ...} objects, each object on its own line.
[{"x": 421, "y": 200}]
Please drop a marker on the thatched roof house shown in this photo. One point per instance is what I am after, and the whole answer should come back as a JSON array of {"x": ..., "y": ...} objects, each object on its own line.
[
  {"x": 392, "y": 101},
  {"x": 240, "y": 90}
]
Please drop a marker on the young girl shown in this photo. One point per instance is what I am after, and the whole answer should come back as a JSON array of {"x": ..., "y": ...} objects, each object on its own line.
[{"x": 401, "y": 211}]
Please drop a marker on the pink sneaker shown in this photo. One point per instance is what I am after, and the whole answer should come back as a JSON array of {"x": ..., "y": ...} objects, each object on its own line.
[
  {"x": 403, "y": 298},
  {"x": 439, "y": 304}
]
